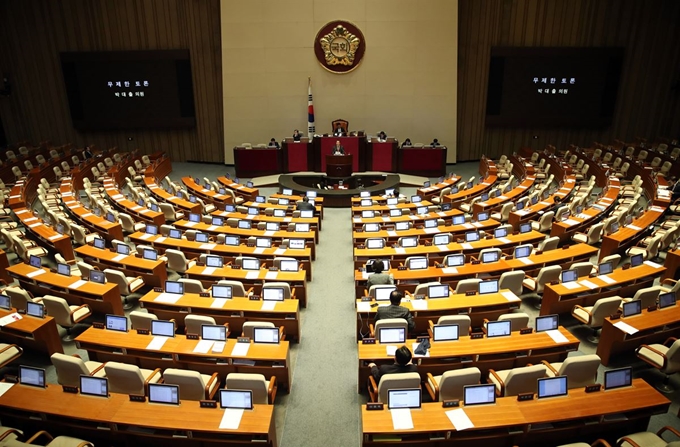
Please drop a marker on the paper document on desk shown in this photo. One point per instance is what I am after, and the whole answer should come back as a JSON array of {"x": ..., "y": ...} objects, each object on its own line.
[
  {"x": 356, "y": 219},
  {"x": 526, "y": 261},
  {"x": 258, "y": 250},
  {"x": 145, "y": 236},
  {"x": 625, "y": 327},
  {"x": 412, "y": 216},
  {"x": 442, "y": 247},
  {"x": 466, "y": 246},
  {"x": 401, "y": 419},
  {"x": 450, "y": 270},
  {"x": 287, "y": 219},
  {"x": 218, "y": 303},
  {"x": 467, "y": 225},
  {"x": 190, "y": 224},
  {"x": 213, "y": 227},
  {"x": 77, "y": 284},
  {"x": 633, "y": 227},
  {"x": 571, "y": 285},
  {"x": 652, "y": 264},
  {"x": 364, "y": 306},
  {"x": 253, "y": 275},
  {"x": 364, "y": 275},
  {"x": 391, "y": 233},
  {"x": 391, "y": 350},
  {"x": 508, "y": 295},
  {"x": 231, "y": 418},
  {"x": 271, "y": 275},
  {"x": 56, "y": 236},
  {"x": 11, "y": 318},
  {"x": 431, "y": 230},
  {"x": 504, "y": 240},
  {"x": 168, "y": 298},
  {"x": 279, "y": 251},
  {"x": 157, "y": 343},
  {"x": 203, "y": 346},
  {"x": 459, "y": 419},
  {"x": 209, "y": 270},
  {"x": 399, "y": 250},
  {"x": 477, "y": 224},
  {"x": 387, "y": 219},
  {"x": 589, "y": 284},
  {"x": 35, "y": 273},
  {"x": 268, "y": 305},
  {"x": 269, "y": 233},
  {"x": 160, "y": 239},
  {"x": 571, "y": 222},
  {"x": 607, "y": 279},
  {"x": 207, "y": 246},
  {"x": 4, "y": 386},
  {"x": 557, "y": 336},
  {"x": 119, "y": 258},
  {"x": 419, "y": 304},
  {"x": 240, "y": 349}
]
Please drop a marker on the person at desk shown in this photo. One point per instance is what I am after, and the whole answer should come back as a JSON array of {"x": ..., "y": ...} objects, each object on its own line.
[
  {"x": 296, "y": 135},
  {"x": 435, "y": 143},
  {"x": 382, "y": 137},
  {"x": 304, "y": 205},
  {"x": 402, "y": 364},
  {"x": 675, "y": 190},
  {"x": 87, "y": 153},
  {"x": 339, "y": 131},
  {"x": 394, "y": 310},
  {"x": 338, "y": 149},
  {"x": 274, "y": 143},
  {"x": 407, "y": 143},
  {"x": 378, "y": 277}
]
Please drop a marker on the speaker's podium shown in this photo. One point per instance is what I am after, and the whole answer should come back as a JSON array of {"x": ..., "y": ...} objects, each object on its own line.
[{"x": 339, "y": 166}]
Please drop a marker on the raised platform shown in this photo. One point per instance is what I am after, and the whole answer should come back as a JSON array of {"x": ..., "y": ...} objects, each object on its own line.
[{"x": 374, "y": 183}]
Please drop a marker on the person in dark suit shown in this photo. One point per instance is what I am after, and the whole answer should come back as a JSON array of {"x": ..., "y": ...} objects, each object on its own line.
[
  {"x": 435, "y": 143},
  {"x": 382, "y": 136},
  {"x": 407, "y": 143},
  {"x": 296, "y": 135},
  {"x": 675, "y": 190},
  {"x": 305, "y": 205},
  {"x": 339, "y": 131},
  {"x": 394, "y": 310},
  {"x": 378, "y": 277},
  {"x": 338, "y": 149},
  {"x": 274, "y": 143},
  {"x": 402, "y": 364}
]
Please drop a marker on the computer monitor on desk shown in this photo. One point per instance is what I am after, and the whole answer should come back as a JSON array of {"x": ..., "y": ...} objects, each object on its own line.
[
  {"x": 618, "y": 378},
  {"x": 636, "y": 260},
  {"x": 214, "y": 261},
  {"x": 123, "y": 249},
  {"x": 213, "y": 332},
  {"x": 175, "y": 233},
  {"x": 296, "y": 244},
  {"x": 552, "y": 387},
  {"x": 666, "y": 300},
  {"x": 35, "y": 309},
  {"x": 94, "y": 386},
  {"x": 289, "y": 265},
  {"x": 34, "y": 261},
  {"x": 446, "y": 332},
  {"x": 268, "y": 335},
  {"x": 273, "y": 294},
  {"x": 161, "y": 393},
  {"x": 392, "y": 335},
  {"x": 569, "y": 276},
  {"x": 547, "y": 323},
  {"x": 371, "y": 227},
  {"x": 479, "y": 394},
  {"x": 63, "y": 269},
  {"x": 458, "y": 220},
  {"x": 632, "y": 308},
  {"x": 202, "y": 237},
  {"x": 401, "y": 226},
  {"x": 408, "y": 242},
  {"x": 116, "y": 323},
  {"x": 490, "y": 286},
  {"x": 419, "y": 263},
  {"x": 250, "y": 264},
  {"x": 605, "y": 268},
  {"x": 232, "y": 240},
  {"x": 174, "y": 287},
  {"x": 221, "y": 291},
  {"x": 375, "y": 243},
  {"x": 279, "y": 212},
  {"x": 471, "y": 236},
  {"x": 490, "y": 256},
  {"x": 99, "y": 243},
  {"x": 523, "y": 251},
  {"x": 500, "y": 232},
  {"x": 438, "y": 291},
  {"x": 368, "y": 214},
  {"x": 455, "y": 260},
  {"x": 441, "y": 239},
  {"x": 163, "y": 328},
  {"x": 236, "y": 399},
  {"x": 217, "y": 221},
  {"x": 524, "y": 228},
  {"x": 404, "y": 398},
  {"x": 382, "y": 293},
  {"x": 498, "y": 328},
  {"x": 263, "y": 242},
  {"x": 150, "y": 254},
  {"x": 287, "y": 192},
  {"x": 29, "y": 375},
  {"x": 5, "y": 302}
]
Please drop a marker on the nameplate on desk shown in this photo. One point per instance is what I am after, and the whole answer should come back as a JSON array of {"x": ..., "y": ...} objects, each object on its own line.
[
  {"x": 614, "y": 316},
  {"x": 193, "y": 337},
  {"x": 401, "y": 267},
  {"x": 419, "y": 297},
  {"x": 361, "y": 246},
  {"x": 525, "y": 396},
  {"x": 98, "y": 325},
  {"x": 208, "y": 404},
  {"x": 142, "y": 331},
  {"x": 422, "y": 339},
  {"x": 554, "y": 282},
  {"x": 243, "y": 340},
  {"x": 652, "y": 308},
  {"x": 70, "y": 389},
  {"x": 593, "y": 388},
  {"x": 157, "y": 289},
  {"x": 428, "y": 243},
  {"x": 204, "y": 294},
  {"x": 470, "y": 293},
  {"x": 625, "y": 266},
  {"x": 476, "y": 335},
  {"x": 565, "y": 247},
  {"x": 365, "y": 298},
  {"x": 273, "y": 269},
  {"x": 438, "y": 265},
  {"x": 475, "y": 262},
  {"x": 371, "y": 406},
  {"x": 200, "y": 264},
  {"x": 137, "y": 398},
  {"x": 450, "y": 403},
  {"x": 539, "y": 252},
  {"x": 368, "y": 341},
  {"x": 250, "y": 244},
  {"x": 235, "y": 267},
  {"x": 254, "y": 297},
  {"x": 526, "y": 330}
]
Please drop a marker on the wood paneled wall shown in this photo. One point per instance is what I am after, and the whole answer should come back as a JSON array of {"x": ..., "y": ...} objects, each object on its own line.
[
  {"x": 34, "y": 32},
  {"x": 647, "y": 104}
]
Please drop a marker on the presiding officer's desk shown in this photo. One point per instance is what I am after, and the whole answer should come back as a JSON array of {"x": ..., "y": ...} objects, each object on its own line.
[
  {"x": 154, "y": 273},
  {"x": 235, "y": 311},
  {"x": 539, "y": 422},
  {"x": 477, "y": 307},
  {"x": 103, "y": 345},
  {"x": 118, "y": 421},
  {"x": 652, "y": 327},
  {"x": 39, "y": 334},
  {"x": 496, "y": 353},
  {"x": 561, "y": 298},
  {"x": 102, "y": 298}
]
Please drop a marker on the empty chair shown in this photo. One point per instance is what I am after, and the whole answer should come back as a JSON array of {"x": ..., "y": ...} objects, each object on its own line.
[
  {"x": 582, "y": 268},
  {"x": 85, "y": 268},
  {"x": 651, "y": 251},
  {"x": 450, "y": 385},
  {"x": 129, "y": 225},
  {"x": 593, "y": 316},
  {"x": 544, "y": 224},
  {"x": 592, "y": 237},
  {"x": 169, "y": 212},
  {"x": 192, "y": 285},
  {"x": 178, "y": 262},
  {"x": 545, "y": 275},
  {"x": 70, "y": 367},
  {"x": 387, "y": 323},
  {"x": 127, "y": 285},
  {"x": 467, "y": 285},
  {"x": 80, "y": 236},
  {"x": 440, "y": 199},
  {"x": 467, "y": 207},
  {"x": 141, "y": 320},
  {"x": 9, "y": 353},
  {"x": 581, "y": 370},
  {"x": 237, "y": 288},
  {"x": 463, "y": 322},
  {"x": 512, "y": 280},
  {"x": 664, "y": 357},
  {"x": 248, "y": 326},
  {"x": 511, "y": 382},
  {"x": 615, "y": 259},
  {"x": 499, "y": 253},
  {"x": 19, "y": 297},
  {"x": 192, "y": 384},
  {"x": 264, "y": 391},
  {"x": 666, "y": 167},
  {"x": 504, "y": 213},
  {"x": 133, "y": 175},
  {"x": 518, "y": 320},
  {"x": 130, "y": 379},
  {"x": 378, "y": 392},
  {"x": 65, "y": 316},
  {"x": 193, "y": 323},
  {"x": 549, "y": 243},
  {"x": 280, "y": 285},
  {"x": 647, "y": 295},
  {"x": 649, "y": 439}
]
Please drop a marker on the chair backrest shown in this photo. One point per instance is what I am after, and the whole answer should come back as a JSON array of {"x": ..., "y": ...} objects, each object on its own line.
[
  {"x": 603, "y": 308},
  {"x": 58, "y": 309},
  {"x": 237, "y": 288},
  {"x": 546, "y": 275},
  {"x": 463, "y": 321},
  {"x": 193, "y": 323},
  {"x": 192, "y": 285},
  {"x": 142, "y": 320},
  {"x": 582, "y": 268},
  {"x": 545, "y": 222},
  {"x": 117, "y": 277},
  {"x": 512, "y": 280},
  {"x": 518, "y": 320},
  {"x": 397, "y": 381},
  {"x": 69, "y": 369},
  {"x": 84, "y": 268},
  {"x": 581, "y": 370},
  {"x": 124, "y": 378},
  {"x": 18, "y": 297},
  {"x": 615, "y": 259},
  {"x": 249, "y": 381},
  {"x": 523, "y": 379},
  {"x": 653, "y": 247},
  {"x": 673, "y": 358},
  {"x": 390, "y": 323},
  {"x": 176, "y": 260},
  {"x": 467, "y": 285},
  {"x": 549, "y": 243},
  {"x": 647, "y": 295},
  {"x": 191, "y": 385},
  {"x": 595, "y": 233},
  {"x": 452, "y": 383},
  {"x": 249, "y": 325},
  {"x": 278, "y": 285}
]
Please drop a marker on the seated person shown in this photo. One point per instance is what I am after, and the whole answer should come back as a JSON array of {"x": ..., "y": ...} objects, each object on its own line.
[
  {"x": 435, "y": 143},
  {"x": 338, "y": 149},
  {"x": 378, "y": 277},
  {"x": 305, "y": 205},
  {"x": 296, "y": 135},
  {"x": 382, "y": 136},
  {"x": 402, "y": 364},
  {"x": 339, "y": 131},
  {"x": 407, "y": 143},
  {"x": 394, "y": 310},
  {"x": 273, "y": 143}
]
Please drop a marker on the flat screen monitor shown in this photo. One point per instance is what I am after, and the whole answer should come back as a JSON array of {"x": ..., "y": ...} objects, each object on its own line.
[
  {"x": 569, "y": 276},
  {"x": 618, "y": 378},
  {"x": 445, "y": 332},
  {"x": 490, "y": 286},
  {"x": 392, "y": 201},
  {"x": 221, "y": 291},
  {"x": 217, "y": 221},
  {"x": 63, "y": 269},
  {"x": 116, "y": 323},
  {"x": 375, "y": 243},
  {"x": 365, "y": 194},
  {"x": 498, "y": 328},
  {"x": 260, "y": 199},
  {"x": 266, "y": 335},
  {"x": 404, "y": 398},
  {"x": 416, "y": 199},
  {"x": 223, "y": 191},
  {"x": 214, "y": 261},
  {"x": 401, "y": 226},
  {"x": 97, "y": 277},
  {"x": 552, "y": 387},
  {"x": 519, "y": 206},
  {"x": 490, "y": 256},
  {"x": 279, "y": 212},
  {"x": 192, "y": 199},
  {"x": 34, "y": 261},
  {"x": 547, "y": 323},
  {"x": 666, "y": 300},
  {"x": 522, "y": 251},
  {"x": 448, "y": 206},
  {"x": 614, "y": 227},
  {"x": 272, "y": 294},
  {"x": 60, "y": 228},
  {"x": 440, "y": 239},
  {"x": 250, "y": 263},
  {"x": 392, "y": 335},
  {"x": 366, "y": 202},
  {"x": 202, "y": 237},
  {"x": 500, "y": 232},
  {"x": 455, "y": 260},
  {"x": 110, "y": 217},
  {"x": 407, "y": 242},
  {"x": 422, "y": 210},
  {"x": 438, "y": 291},
  {"x": 123, "y": 249},
  {"x": 244, "y": 224},
  {"x": 417, "y": 263},
  {"x": 35, "y": 309},
  {"x": 213, "y": 332},
  {"x": 469, "y": 185},
  {"x": 174, "y": 287},
  {"x": 151, "y": 229},
  {"x": 636, "y": 260},
  {"x": 236, "y": 399},
  {"x": 94, "y": 386},
  {"x": 5, "y": 302},
  {"x": 263, "y": 242},
  {"x": 371, "y": 227},
  {"x": 232, "y": 240},
  {"x": 296, "y": 244},
  {"x": 534, "y": 200},
  {"x": 426, "y": 184},
  {"x": 382, "y": 293},
  {"x": 367, "y": 214},
  {"x": 431, "y": 223},
  {"x": 389, "y": 192},
  {"x": 283, "y": 201},
  {"x": 471, "y": 236},
  {"x": 29, "y": 375},
  {"x": 175, "y": 234},
  {"x": 250, "y": 184},
  {"x": 150, "y": 254},
  {"x": 605, "y": 268},
  {"x": 253, "y": 211},
  {"x": 272, "y": 226},
  {"x": 302, "y": 227},
  {"x": 99, "y": 243},
  {"x": 482, "y": 217},
  {"x": 484, "y": 197},
  {"x": 632, "y": 308},
  {"x": 525, "y": 228},
  {"x": 311, "y": 194},
  {"x": 163, "y": 328},
  {"x": 458, "y": 220},
  {"x": 289, "y": 265},
  {"x": 162, "y": 393},
  {"x": 479, "y": 394},
  {"x": 287, "y": 192},
  {"x": 194, "y": 217}
]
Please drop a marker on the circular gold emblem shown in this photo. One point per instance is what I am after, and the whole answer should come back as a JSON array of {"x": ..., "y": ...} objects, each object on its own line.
[{"x": 339, "y": 46}]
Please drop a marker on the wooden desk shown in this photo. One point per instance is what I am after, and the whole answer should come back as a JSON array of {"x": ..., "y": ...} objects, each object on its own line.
[
  {"x": 177, "y": 352},
  {"x": 426, "y": 161},
  {"x": 339, "y": 165},
  {"x": 630, "y": 234},
  {"x": 533, "y": 212},
  {"x": 124, "y": 205},
  {"x": 102, "y": 298},
  {"x": 653, "y": 327},
  {"x": 254, "y": 278},
  {"x": 208, "y": 195},
  {"x": 560, "y": 299},
  {"x": 487, "y": 169},
  {"x": 154, "y": 273},
  {"x": 436, "y": 189},
  {"x": 239, "y": 189},
  {"x": 45, "y": 235},
  {"x": 524, "y": 172},
  {"x": 235, "y": 311},
  {"x": 116, "y": 420},
  {"x": 39, "y": 334},
  {"x": 392, "y": 236},
  {"x": 257, "y": 161},
  {"x": 496, "y": 353},
  {"x": 672, "y": 264},
  {"x": 314, "y": 222},
  {"x": 4, "y": 264}
]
